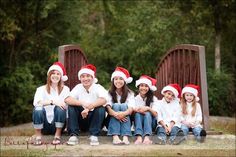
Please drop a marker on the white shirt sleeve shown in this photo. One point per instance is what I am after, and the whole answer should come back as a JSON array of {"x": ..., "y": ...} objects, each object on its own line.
[
  {"x": 38, "y": 96},
  {"x": 198, "y": 114},
  {"x": 74, "y": 92},
  {"x": 131, "y": 100}
]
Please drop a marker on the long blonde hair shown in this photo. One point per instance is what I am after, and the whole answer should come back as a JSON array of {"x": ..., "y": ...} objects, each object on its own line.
[
  {"x": 49, "y": 82},
  {"x": 184, "y": 106}
]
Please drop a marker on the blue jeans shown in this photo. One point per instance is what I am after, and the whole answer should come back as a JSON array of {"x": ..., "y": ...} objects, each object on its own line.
[
  {"x": 143, "y": 124},
  {"x": 161, "y": 133},
  {"x": 93, "y": 122},
  {"x": 40, "y": 120},
  {"x": 115, "y": 126},
  {"x": 196, "y": 131}
]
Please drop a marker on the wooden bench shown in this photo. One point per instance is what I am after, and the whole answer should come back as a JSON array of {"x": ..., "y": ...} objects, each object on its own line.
[
  {"x": 73, "y": 58},
  {"x": 185, "y": 64}
]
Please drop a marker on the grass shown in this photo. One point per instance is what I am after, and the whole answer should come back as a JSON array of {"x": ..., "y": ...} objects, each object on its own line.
[
  {"x": 225, "y": 125},
  {"x": 23, "y": 152}
]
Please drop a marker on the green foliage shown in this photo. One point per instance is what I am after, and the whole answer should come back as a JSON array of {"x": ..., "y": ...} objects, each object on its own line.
[
  {"x": 221, "y": 93},
  {"x": 16, "y": 102}
]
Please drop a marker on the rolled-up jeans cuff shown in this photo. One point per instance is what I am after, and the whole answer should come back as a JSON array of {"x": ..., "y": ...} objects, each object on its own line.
[
  {"x": 38, "y": 126},
  {"x": 59, "y": 124}
]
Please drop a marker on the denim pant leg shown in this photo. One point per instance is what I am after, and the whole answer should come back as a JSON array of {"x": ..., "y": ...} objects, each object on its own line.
[
  {"x": 196, "y": 132},
  {"x": 95, "y": 120},
  {"x": 173, "y": 132},
  {"x": 125, "y": 127},
  {"x": 38, "y": 117},
  {"x": 154, "y": 124},
  {"x": 185, "y": 129},
  {"x": 161, "y": 133},
  {"x": 138, "y": 121},
  {"x": 114, "y": 124},
  {"x": 59, "y": 117},
  {"x": 73, "y": 120},
  {"x": 147, "y": 124}
]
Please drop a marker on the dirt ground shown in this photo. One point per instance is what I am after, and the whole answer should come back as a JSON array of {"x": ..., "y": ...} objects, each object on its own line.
[{"x": 13, "y": 143}]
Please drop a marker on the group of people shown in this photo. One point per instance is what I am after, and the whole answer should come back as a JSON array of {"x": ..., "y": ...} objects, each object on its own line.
[{"x": 88, "y": 105}]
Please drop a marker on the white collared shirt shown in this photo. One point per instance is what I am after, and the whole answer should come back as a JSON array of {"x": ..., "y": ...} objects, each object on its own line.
[
  {"x": 95, "y": 91},
  {"x": 42, "y": 94},
  {"x": 169, "y": 112},
  {"x": 139, "y": 101},
  {"x": 130, "y": 101},
  {"x": 197, "y": 118}
]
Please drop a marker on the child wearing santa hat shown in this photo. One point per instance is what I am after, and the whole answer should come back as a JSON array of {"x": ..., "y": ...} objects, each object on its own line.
[
  {"x": 144, "y": 112},
  {"x": 49, "y": 114},
  {"x": 169, "y": 114},
  {"x": 191, "y": 112},
  {"x": 119, "y": 106},
  {"x": 86, "y": 111}
]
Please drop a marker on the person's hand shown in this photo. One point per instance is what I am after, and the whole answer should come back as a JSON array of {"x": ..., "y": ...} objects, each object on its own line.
[
  {"x": 143, "y": 109},
  {"x": 84, "y": 113},
  {"x": 90, "y": 107},
  {"x": 60, "y": 104},
  {"x": 167, "y": 129}
]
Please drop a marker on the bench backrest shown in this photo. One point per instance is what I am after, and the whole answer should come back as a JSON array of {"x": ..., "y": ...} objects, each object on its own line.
[
  {"x": 185, "y": 64},
  {"x": 73, "y": 58}
]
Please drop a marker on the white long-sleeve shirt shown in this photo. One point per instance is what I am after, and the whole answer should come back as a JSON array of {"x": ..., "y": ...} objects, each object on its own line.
[
  {"x": 139, "y": 101},
  {"x": 196, "y": 119},
  {"x": 42, "y": 94},
  {"x": 168, "y": 112},
  {"x": 130, "y": 101}
]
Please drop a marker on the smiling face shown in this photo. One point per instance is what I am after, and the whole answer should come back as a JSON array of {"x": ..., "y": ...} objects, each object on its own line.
[
  {"x": 86, "y": 80},
  {"x": 189, "y": 97},
  {"x": 169, "y": 96},
  {"x": 55, "y": 77},
  {"x": 118, "y": 82},
  {"x": 143, "y": 89}
]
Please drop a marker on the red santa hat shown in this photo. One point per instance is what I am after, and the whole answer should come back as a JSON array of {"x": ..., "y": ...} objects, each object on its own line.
[
  {"x": 88, "y": 69},
  {"x": 59, "y": 67},
  {"x": 122, "y": 72},
  {"x": 151, "y": 82},
  {"x": 175, "y": 88},
  {"x": 191, "y": 88}
]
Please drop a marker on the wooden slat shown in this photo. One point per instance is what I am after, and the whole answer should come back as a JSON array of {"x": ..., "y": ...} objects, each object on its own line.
[{"x": 73, "y": 58}]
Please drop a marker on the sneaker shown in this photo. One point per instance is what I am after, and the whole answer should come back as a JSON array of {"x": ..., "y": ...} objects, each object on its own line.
[
  {"x": 94, "y": 140},
  {"x": 73, "y": 140},
  {"x": 179, "y": 138},
  {"x": 202, "y": 136}
]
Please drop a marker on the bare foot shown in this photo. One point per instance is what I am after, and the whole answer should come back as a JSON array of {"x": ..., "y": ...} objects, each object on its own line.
[
  {"x": 147, "y": 141},
  {"x": 138, "y": 140}
]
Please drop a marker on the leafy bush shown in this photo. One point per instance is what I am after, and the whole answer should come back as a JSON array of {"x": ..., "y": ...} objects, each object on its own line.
[
  {"x": 17, "y": 90},
  {"x": 221, "y": 93}
]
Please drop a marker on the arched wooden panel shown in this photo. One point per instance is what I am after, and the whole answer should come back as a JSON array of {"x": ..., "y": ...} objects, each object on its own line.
[
  {"x": 185, "y": 64},
  {"x": 73, "y": 58}
]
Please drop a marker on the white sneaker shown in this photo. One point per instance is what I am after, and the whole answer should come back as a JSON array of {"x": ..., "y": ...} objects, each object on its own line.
[
  {"x": 94, "y": 140},
  {"x": 73, "y": 140}
]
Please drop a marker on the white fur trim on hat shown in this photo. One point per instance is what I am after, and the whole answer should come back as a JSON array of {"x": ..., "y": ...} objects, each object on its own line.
[
  {"x": 146, "y": 81},
  {"x": 121, "y": 74},
  {"x": 172, "y": 89},
  {"x": 192, "y": 91},
  {"x": 87, "y": 71},
  {"x": 55, "y": 67}
]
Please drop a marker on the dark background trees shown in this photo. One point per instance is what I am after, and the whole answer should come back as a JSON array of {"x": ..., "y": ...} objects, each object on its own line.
[{"x": 112, "y": 33}]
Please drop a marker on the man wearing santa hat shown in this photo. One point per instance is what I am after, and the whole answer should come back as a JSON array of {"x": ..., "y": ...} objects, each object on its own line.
[{"x": 86, "y": 111}]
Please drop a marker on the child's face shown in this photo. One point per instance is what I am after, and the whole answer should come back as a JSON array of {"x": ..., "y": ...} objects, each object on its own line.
[
  {"x": 169, "y": 96},
  {"x": 86, "y": 80},
  {"x": 118, "y": 82},
  {"x": 55, "y": 76},
  {"x": 143, "y": 89},
  {"x": 188, "y": 97}
]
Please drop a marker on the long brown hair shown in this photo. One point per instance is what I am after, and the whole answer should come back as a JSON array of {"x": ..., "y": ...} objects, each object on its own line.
[
  {"x": 112, "y": 91},
  {"x": 49, "y": 82},
  {"x": 184, "y": 106}
]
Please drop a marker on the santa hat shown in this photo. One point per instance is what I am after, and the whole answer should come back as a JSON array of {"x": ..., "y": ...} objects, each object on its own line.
[
  {"x": 88, "y": 69},
  {"x": 191, "y": 88},
  {"x": 175, "y": 88},
  {"x": 122, "y": 72},
  {"x": 151, "y": 82},
  {"x": 59, "y": 67}
]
